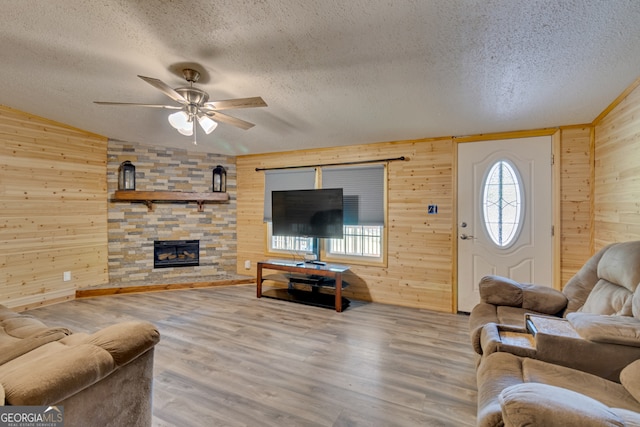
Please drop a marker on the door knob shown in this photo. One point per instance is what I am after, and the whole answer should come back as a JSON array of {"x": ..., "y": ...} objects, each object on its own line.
[{"x": 466, "y": 237}]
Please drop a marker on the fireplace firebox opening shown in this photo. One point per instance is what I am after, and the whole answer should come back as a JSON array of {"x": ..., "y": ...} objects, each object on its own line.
[{"x": 176, "y": 253}]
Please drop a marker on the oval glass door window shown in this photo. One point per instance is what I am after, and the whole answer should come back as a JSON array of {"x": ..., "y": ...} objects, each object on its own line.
[{"x": 502, "y": 203}]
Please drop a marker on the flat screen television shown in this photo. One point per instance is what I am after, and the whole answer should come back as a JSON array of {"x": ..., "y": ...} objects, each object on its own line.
[{"x": 308, "y": 213}]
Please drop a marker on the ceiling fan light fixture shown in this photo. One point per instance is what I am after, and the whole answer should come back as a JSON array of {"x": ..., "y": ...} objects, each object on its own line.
[
  {"x": 187, "y": 131},
  {"x": 195, "y": 104},
  {"x": 180, "y": 120},
  {"x": 207, "y": 124}
]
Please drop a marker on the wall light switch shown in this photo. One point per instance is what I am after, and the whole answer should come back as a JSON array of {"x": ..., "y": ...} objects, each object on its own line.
[
  {"x": 66, "y": 276},
  {"x": 247, "y": 264}
]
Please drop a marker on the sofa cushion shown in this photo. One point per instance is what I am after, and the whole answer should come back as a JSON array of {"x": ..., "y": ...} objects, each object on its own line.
[
  {"x": 496, "y": 372},
  {"x": 620, "y": 264},
  {"x": 621, "y": 330},
  {"x": 578, "y": 288},
  {"x": 21, "y": 326},
  {"x": 17, "y": 347},
  {"x": 52, "y": 372},
  {"x": 608, "y": 392},
  {"x": 534, "y": 404},
  {"x": 610, "y": 299},
  {"x": 630, "y": 379}
]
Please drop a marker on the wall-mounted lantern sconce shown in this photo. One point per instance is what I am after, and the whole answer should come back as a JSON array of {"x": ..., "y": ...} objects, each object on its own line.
[
  {"x": 126, "y": 176},
  {"x": 219, "y": 179}
]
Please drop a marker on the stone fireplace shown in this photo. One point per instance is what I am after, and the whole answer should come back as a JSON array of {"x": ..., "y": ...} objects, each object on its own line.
[
  {"x": 176, "y": 253},
  {"x": 133, "y": 228}
]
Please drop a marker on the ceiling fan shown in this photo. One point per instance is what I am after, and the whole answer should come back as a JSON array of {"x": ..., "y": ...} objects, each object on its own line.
[{"x": 194, "y": 105}]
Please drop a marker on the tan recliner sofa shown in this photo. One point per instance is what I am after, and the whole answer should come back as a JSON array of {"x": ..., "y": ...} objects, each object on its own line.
[
  {"x": 562, "y": 358},
  {"x": 100, "y": 379},
  {"x": 600, "y": 305},
  {"x": 518, "y": 391}
]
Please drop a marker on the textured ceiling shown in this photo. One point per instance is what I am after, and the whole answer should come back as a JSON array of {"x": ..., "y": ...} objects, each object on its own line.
[{"x": 333, "y": 72}]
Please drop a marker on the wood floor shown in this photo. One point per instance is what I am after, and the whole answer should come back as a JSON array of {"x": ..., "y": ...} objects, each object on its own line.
[{"x": 227, "y": 358}]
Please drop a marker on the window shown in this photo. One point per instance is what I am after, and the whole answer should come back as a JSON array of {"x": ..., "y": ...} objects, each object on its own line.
[
  {"x": 364, "y": 196},
  {"x": 289, "y": 244},
  {"x": 359, "y": 240},
  {"x": 364, "y": 212},
  {"x": 297, "y": 179},
  {"x": 502, "y": 203}
]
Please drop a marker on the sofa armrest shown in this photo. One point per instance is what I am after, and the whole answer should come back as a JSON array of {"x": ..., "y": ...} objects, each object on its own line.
[
  {"x": 499, "y": 290},
  {"x": 124, "y": 341},
  {"x": 537, "y": 404},
  {"x": 622, "y": 330}
]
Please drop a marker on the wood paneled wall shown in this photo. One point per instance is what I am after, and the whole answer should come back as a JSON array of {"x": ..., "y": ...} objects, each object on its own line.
[
  {"x": 617, "y": 173},
  {"x": 421, "y": 250},
  {"x": 420, "y": 265},
  {"x": 53, "y": 209},
  {"x": 576, "y": 162}
]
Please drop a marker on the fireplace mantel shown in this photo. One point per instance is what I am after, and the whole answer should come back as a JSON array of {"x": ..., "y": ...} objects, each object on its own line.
[{"x": 148, "y": 197}]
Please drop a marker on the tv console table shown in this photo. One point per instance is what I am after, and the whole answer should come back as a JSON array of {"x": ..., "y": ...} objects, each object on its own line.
[{"x": 315, "y": 275}]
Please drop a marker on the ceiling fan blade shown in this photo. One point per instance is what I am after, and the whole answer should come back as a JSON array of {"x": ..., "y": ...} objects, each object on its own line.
[
  {"x": 223, "y": 118},
  {"x": 164, "y": 88},
  {"x": 236, "y": 103},
  {"x": 134, "y": 104}
]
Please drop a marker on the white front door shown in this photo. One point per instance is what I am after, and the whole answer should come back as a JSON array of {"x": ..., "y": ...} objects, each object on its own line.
[{"x": 504, "y": 213}]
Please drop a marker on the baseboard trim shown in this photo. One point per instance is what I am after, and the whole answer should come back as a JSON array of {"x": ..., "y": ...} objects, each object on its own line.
[
  {"x": 89, "y": 293},
  {"x": 21, "y": 305}
]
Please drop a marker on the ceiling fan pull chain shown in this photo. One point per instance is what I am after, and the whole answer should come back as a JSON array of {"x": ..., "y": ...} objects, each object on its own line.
[{"x": 195, "y": 131}]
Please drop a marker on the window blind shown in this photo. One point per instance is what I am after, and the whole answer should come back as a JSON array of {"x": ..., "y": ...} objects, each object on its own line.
[
  {"x": 290, "y": 179},
  {"x": 363, "y": 192}
]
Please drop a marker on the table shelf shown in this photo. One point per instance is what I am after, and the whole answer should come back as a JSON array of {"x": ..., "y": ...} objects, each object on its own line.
[{"x": 316, "y": 276}]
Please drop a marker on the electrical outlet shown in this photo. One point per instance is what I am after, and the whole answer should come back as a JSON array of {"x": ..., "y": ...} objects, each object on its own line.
[
  {"x": 247, "y": 264},
  {"x": 66, "y": 276}
]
